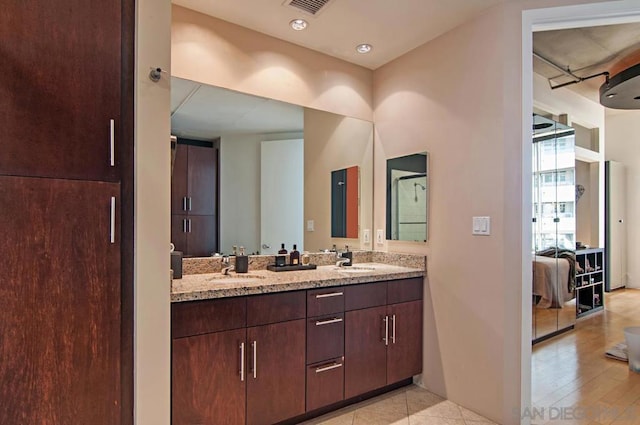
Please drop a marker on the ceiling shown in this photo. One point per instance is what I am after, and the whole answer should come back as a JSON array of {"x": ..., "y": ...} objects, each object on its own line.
[
  {"x": 392, "y": 27},
  {"x": 587, "y": 51},
  {"x": 203, "y": 112}
]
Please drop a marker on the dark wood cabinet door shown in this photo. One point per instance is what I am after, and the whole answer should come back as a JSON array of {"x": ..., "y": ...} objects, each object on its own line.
[
  {"x": 60, "y": 314},
  {"x": 178, "y": 235},
  {"x": 207, "y": 386},
  {"x": 202, "y": 180},
  {"x": 202, "y": 235},
  {"x": 60, "y": 87},
  {"x": 404, "y": 355},
  {"x": 276, "y": 386},
  {"x": 365, "y": 351},
  {"x": 179, "y": 190}
]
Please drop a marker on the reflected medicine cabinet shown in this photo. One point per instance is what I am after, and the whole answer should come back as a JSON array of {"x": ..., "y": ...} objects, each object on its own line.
[{"x": 407, "y": 198}]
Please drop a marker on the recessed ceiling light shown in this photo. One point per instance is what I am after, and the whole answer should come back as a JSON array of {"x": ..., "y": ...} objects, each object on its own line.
[
  {"x": 298, "y": 24},
  {"x": 364, "y": 48},
  {"x": 610, "y": 95}
]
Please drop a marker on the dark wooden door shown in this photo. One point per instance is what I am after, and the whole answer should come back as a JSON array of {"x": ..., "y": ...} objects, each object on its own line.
[
  {"x": 202, "y": 235},
  {"x": 178, "y": 234},
  {"x": 276, "y": 386},
  {"x": 202, "y": 177},
  {"x": 404, "y": 355},
  {"x": 60, "y": 314},
  {"x": 365, "y": 351},
  {"x": 207, "y": 386},
  {"x": 179, "y": 189},
  {"x": 60, "y": 87}
]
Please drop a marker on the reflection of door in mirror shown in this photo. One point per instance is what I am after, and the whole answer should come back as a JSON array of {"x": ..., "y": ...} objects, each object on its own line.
[
  {"x": 407, "y": 195},
  {"x": 344, "y": 202},
  {"x": 281, "y": 194}
]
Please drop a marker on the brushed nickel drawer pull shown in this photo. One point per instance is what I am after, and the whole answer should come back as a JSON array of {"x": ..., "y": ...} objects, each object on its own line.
[
  {"x": 112, "y": 142},
  {"x": 386, "y": 330},
  {"x": 254, "y": 344},
  {"x": 330, "y": 367},
  {"x": 393, "y": 329},
  {"x": 331, "y": 294},
  {"x": 189, "y": 203},
  {"x": 112, "y": 224},
  {"x": 328, "y": 321},
  {"x": 242, "y": 361},
  {"x": 184, "y": 203}
]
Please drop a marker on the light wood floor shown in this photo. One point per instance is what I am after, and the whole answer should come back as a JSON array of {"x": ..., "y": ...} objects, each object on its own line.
[{"x": 574, "y": 383}]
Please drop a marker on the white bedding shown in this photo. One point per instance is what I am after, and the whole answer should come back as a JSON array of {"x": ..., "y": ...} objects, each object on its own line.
[{"x": 551, "y": 281}]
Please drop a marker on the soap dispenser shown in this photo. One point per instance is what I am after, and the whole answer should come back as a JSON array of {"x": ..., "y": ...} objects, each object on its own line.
[{"x": 242, "y": 262}]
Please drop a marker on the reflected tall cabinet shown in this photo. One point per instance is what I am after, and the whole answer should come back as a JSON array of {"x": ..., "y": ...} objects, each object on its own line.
[
  {"x": 553, "y": 228},
  {"x": 66, "y": 212}
]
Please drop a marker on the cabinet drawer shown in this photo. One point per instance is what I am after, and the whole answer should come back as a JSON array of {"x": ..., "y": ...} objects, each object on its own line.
[
  {"x": 325, "y": 337},
  {"x": 200, "y": 317},
  {"x": 325, "y": 301},
  {"x": 404, "y": 290},
  {"x": 325, "y": 383},
  {"x": 364, "y": 296},
  {"x": 273, "y": 308}
]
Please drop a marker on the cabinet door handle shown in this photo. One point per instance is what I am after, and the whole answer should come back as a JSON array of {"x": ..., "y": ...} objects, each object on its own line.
[
  {"x": 184, "y": 225},
  {"x": 189, "y": 203},
  {"x": 254, "y": 345},
  {"x": 112, "y": 142},
  {"x": 331, "y": 294},
  {"x": 184, "y": 203},
  {"x": 328, "y": 321},
  {"x": 329, "y": 367},
  {"x": 112, "y": 221},
  {"x": 386, "y": 330},
  {"x": 393, "y": 329},
  {"x": 242, "y": 361},
  {"x": 189, "y": 225}
]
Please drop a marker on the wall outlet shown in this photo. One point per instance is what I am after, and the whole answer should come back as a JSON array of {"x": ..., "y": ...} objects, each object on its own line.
[
  {"x": 380, "y": 237},
  {"x": 366, "y": 236},
  {"x": 311, "y": 226}
]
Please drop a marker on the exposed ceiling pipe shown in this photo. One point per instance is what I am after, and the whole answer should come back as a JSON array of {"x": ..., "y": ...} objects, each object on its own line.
[{"x": 576, "y": 79}]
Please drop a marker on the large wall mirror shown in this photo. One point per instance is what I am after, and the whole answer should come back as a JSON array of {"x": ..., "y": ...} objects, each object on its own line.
[
  {"x": 274, "y": 167},
  {"x": 407, "y": 198}
]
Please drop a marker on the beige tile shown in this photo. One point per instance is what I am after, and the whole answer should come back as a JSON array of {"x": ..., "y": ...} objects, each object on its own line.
[
  {"x": 332, "y": 419},
  {"x": 420, "y": 399},
  {"x": 379, "y": 417},
  {"x": 482, "y": 422},
  {"x": 469, "y": 415},
  {"x": 429, "y": 420},
  {"x": 443, "y": 409}
]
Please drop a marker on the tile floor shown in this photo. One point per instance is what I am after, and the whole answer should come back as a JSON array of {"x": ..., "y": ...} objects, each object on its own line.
[{"x": 410, "y": 405}]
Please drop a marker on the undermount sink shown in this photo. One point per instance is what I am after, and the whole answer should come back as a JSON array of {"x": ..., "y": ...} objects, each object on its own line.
[
  {"x": 356, "y": 269},
  {"x": 234, "y": 278}
]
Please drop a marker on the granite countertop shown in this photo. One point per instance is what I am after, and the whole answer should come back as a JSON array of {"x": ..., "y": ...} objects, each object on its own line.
[{"x": 215, "y": 285}]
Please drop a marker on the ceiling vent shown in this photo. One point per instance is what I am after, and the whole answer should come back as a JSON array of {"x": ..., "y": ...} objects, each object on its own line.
[{"x": 310, "y": 7}]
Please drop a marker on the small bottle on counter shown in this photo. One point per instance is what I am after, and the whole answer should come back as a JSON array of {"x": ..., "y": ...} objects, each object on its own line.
[
  {"x": 304, "y": 259},
  {"x": 294, "y": 256},
  {"x": 242, "y": 262},
  {"x": 283, "y": 250}
]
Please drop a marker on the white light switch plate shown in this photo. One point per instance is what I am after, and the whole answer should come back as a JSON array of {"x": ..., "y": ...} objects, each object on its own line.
[
  {"x": 310, "y": 226},
  {"x": 481, "y": 226},
  {"x": 366, "y": 236},
  {"x": 380, "y": 237}
]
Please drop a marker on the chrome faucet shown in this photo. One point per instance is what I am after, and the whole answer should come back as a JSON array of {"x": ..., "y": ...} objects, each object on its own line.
[
  {"x": 342, "y": 261},
  {"x": 227, "y": 267}
]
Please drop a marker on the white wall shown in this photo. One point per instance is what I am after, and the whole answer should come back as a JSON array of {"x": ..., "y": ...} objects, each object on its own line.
[
  {"x": 623, "y": 145},
  {"x": 152, "y": 330},
  {"x": 240, "y": 189}
]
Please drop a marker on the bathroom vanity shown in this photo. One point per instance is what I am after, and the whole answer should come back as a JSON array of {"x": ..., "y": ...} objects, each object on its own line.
[{"x": 266, "y": 348}]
